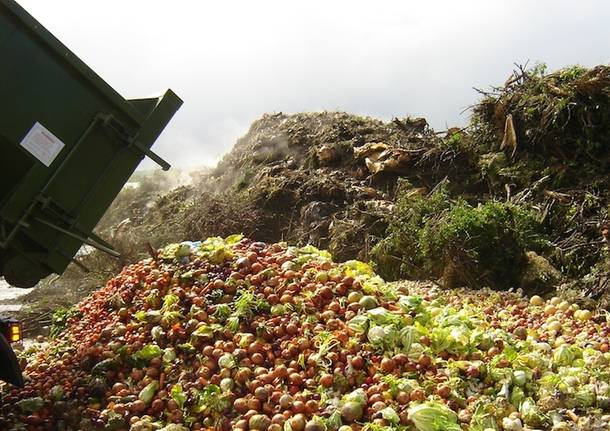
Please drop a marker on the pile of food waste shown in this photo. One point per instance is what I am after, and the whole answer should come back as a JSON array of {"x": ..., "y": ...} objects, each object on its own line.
[{"x": 232, "y": 334}]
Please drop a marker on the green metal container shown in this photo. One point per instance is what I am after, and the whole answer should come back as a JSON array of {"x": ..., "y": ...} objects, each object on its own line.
[{"x": 68, "y": 144}]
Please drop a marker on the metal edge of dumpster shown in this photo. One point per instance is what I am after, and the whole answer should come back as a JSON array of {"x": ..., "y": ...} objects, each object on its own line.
[
  {"x": 156, "y": 120},
  {"x": 150, "y": 124},
  {"x": 62, "y": 52},
  {"x": 155, "y": 123}
]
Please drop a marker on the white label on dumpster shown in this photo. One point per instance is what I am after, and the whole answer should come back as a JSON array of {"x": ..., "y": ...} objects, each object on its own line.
[{"x": 42, "y": 144}]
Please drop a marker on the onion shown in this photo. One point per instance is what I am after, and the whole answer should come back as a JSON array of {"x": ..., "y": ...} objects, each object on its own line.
[
  {"x": 351, "y": 412},
  {"x": 297, "y": 422},
  {"x": 259, "y": 422}
]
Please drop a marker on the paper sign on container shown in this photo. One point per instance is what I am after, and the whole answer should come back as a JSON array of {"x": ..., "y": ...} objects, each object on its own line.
[{"x": 42, "y": 144}]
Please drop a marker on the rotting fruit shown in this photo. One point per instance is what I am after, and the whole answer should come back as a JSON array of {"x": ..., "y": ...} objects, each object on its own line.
[{"x": 235, "y": 334}]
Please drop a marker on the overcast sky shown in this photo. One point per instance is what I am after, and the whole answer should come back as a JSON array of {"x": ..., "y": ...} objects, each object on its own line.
[{"x": 232, "y": 61}]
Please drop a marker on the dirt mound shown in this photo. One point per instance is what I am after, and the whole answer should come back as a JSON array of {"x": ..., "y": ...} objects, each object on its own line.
[
  {"x": 326, "y": 178},
  {"x": 553, "y": 130},
  {"x": 517, "y": 199},
  {"x": 557, "y": 122}
]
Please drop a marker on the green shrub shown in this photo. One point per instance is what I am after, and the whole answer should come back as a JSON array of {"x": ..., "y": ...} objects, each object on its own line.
[{"x": 435, "y": 236}]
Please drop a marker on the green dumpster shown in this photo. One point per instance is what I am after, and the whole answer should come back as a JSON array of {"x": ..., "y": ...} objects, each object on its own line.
[{"x": 68, "y": 144}]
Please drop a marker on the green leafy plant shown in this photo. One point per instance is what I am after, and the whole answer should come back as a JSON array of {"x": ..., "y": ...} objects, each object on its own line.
[
  {"x": 59, "y": 319},
  {"x": 465, "y": 245}
]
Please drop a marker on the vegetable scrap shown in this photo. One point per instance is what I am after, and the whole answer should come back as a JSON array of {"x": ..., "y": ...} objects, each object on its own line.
[{"x": 232, "y": 334}]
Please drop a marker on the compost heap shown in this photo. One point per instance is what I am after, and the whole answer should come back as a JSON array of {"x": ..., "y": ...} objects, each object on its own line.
[
  {"x": 519, "y": 198},
  {"x": 234, "y": 334}
]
